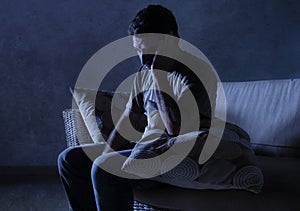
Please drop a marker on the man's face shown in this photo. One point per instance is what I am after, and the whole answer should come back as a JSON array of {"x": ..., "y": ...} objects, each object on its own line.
[{"x": 146, "y": 49}]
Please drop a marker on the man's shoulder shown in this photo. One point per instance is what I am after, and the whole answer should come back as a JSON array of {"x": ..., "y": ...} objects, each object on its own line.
[{"x": 197, "y": 69}]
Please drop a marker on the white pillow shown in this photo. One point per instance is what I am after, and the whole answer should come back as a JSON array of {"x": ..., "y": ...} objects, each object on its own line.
[{"x": 95, "y": 107}]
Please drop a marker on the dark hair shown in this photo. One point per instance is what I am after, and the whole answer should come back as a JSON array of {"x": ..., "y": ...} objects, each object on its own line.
[{"x": 154, "y": 19}]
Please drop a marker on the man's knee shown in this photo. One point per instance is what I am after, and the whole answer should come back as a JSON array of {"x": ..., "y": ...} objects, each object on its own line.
[
  {"x": 110, "y": 165},
  {"x": 98, "y": 175},
  {"x": 103, "y": 176},
  {"x": 69, "y": 155},
  {"x": 98, "y": 165}
]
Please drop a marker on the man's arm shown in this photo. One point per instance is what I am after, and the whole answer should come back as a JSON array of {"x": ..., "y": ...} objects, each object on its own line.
[
  {"x": 180, "y": 114},
  {"x": 167, "y": 106},
  {"x": 123, "y": 132}
]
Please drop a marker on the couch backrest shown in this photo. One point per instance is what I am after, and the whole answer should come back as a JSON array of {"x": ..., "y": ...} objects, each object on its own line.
[{"x": 269, "y": 111}]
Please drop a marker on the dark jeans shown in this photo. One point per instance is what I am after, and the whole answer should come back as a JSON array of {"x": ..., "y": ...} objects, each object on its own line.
[{"x": 88, "y": 187}]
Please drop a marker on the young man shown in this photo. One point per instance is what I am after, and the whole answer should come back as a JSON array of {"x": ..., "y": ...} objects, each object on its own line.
[{"x": 160, "y": 91}]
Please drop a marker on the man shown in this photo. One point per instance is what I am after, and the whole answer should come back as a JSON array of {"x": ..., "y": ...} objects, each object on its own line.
[{"x": 160, "y": 91}]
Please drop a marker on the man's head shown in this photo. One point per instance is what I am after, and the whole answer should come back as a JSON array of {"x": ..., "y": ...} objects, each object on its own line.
[{"x": 154, "y": 19}]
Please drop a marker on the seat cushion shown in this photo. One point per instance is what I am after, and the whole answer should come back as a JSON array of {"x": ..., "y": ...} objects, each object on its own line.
[
  {"x": 280, "y": 192},
  {"x": 281, "y": 174}
]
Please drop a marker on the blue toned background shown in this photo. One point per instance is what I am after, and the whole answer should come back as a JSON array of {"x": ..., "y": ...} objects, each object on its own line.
[{"x": 44, "y": 44}]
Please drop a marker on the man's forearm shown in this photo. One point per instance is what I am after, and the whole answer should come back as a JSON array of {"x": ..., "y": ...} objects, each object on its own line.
[
  {"x": 115, "y": 141},
  {"x": 166, "y": 103},
  {"x": 122, "y": 133}
]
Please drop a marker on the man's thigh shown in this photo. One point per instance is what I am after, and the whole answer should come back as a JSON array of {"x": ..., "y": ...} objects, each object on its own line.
[
  {"x": 81, "y": 156},
  {"x": 113, "y": 162}
]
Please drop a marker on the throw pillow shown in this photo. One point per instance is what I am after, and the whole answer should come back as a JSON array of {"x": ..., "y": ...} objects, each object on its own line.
[{"x": 96, "y": 110}]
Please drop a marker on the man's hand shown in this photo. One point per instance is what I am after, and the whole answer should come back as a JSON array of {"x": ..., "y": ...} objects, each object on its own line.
[{"x": 165, "y": 98}]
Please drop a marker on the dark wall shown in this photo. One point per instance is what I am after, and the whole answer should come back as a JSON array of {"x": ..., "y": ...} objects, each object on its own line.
[{"x": 44, "y": 45}]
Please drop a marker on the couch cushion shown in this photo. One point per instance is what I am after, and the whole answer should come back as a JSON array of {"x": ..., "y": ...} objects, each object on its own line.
[
  {"x": 96, "y": 106},
  {"x": 268, "y": 111},
  {"x": 280, "y": 192},
  {"x": 281, "y": 174}
]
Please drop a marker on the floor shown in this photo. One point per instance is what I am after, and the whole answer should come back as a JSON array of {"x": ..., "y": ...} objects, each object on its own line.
[
  {"x": 32, "y": 193},
  {"x": 38, "y": 190},
  {"x": 35, "y": 189}
]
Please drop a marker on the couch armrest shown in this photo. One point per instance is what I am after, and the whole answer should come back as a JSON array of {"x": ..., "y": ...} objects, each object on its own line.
[{"x": 75, "y": 129}]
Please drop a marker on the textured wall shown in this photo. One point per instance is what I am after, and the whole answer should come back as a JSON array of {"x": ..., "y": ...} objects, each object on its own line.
[{"x": 44, "y": 44}]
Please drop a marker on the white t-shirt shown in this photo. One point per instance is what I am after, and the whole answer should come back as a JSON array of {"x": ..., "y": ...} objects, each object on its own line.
[{"x": 142, "y": 100}]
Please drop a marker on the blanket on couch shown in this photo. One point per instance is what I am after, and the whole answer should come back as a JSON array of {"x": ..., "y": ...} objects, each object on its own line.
[{"x": 232, "y": 166}]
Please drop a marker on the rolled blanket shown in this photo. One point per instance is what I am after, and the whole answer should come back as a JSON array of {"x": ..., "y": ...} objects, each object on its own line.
[
  {"x": 229, "y": 135},
  {"x": 190, "y": 142},
  {"x": 216, "y": 171},
  {"x": 187, "y": 169},
  {"x": 250, "y": 178},
  {"x": 145, "y": 164},
  {"x": 228, "y": 150}
]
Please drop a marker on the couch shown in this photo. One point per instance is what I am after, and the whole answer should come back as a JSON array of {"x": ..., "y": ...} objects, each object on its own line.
[{"x": 269, "y": 111}]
